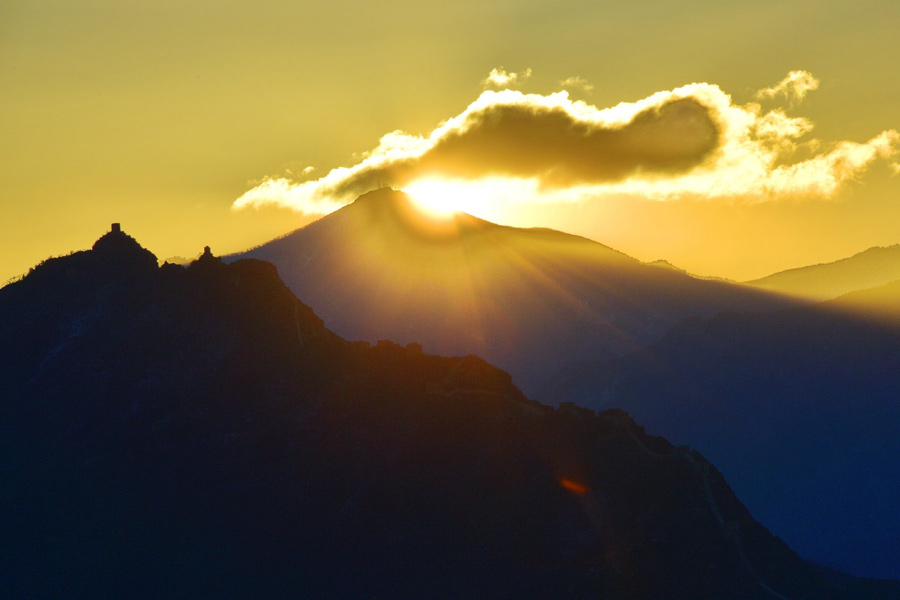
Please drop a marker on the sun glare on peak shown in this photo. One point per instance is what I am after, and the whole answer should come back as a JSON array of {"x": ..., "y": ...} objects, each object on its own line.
[
  {"x": 439, "y": 199},
  {"x": 491, "y": 198}
]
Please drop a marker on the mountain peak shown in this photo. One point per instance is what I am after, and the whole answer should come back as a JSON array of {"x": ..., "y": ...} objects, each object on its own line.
[
  {"x": 382, "y": 192},
  {"x": 383, "y": 199},
  {"x": 528, "y": 300},
  {"x": 120, "y": 250},
  {"x": 206, "y": 260},
  {"x": 399, "y": 215}
]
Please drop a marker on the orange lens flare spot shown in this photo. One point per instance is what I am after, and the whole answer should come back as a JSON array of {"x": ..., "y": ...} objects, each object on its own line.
[{"x": 573, "y": 486}]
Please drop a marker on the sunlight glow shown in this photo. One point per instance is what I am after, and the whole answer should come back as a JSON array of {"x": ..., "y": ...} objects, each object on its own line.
[
  {"x": 440, "y": 199},
  {"x": 490, "y": 198},
  {"x": 710, "y": 147}
]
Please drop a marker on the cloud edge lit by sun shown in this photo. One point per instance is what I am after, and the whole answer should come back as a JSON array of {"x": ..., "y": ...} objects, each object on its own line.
[{"x": 757, "y": 156}]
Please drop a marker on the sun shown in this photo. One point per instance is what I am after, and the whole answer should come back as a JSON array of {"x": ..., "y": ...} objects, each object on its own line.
[
  {"x": 439, "y": 199},
  {"x": 490, "y": 198}
]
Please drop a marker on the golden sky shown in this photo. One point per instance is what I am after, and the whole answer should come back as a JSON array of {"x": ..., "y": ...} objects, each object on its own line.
[{"x": 731, "y": 138}]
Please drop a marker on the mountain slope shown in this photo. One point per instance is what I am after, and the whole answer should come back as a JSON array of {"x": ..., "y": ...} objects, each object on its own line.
[
  {"x": 870, "y": 268},
  {"x": 527, "y": 300},
  {"x": 881, "y": 301},
  {"x": 799, "y": 408},
  {"x": 197, "y": 432}
]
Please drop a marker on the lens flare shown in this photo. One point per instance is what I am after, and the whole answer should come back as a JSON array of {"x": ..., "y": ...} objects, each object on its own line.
[{"x": 573, "y": 486}]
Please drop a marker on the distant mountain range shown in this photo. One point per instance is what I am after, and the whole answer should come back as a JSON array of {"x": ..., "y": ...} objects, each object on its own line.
[
  {"x": 198, "y": 432},
  {"x": 873, "y": 267},
  {"x": 800, "y": 409},
  {"x": 882, "y": 301},
  {"x": 528, "y": 300}
]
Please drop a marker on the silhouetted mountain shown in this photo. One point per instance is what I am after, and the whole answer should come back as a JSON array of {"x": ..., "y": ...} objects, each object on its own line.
[
  {"x": 198, "y": 433},
  {"x": 799, "y": 408},
  {"x": 527, "y": 300},
  {"x": 873, "y": 267}
]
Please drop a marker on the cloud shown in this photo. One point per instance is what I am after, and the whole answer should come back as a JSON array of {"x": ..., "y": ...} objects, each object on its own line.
[
  {"x": 286, "y": 193},
  {"x": 794, "y": 87},
  {"x": 576, "y": 82},
  {"x": 692, "y": 141},
  {"x": 751, "y": 173},
  {"x": 500, "y": 78},
  {"x": 507, "y": 133}
]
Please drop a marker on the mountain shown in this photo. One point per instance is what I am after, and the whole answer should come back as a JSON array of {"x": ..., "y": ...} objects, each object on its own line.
[
  {"x": 528, "y": 300},
  {"x": 882, "y": 301},
  {"x": 664, "y": 264},
  {"x": 799, "y": 408},
  {"x": 198, "y": 433},
  {"x": 873, "y": 267}
]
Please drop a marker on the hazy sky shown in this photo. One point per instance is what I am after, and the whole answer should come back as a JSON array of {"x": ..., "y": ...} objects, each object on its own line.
[{"x": 162, "y": 114}]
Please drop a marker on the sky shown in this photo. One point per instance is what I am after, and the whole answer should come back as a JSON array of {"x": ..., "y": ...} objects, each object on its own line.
[{"x": 730, "y": 138}]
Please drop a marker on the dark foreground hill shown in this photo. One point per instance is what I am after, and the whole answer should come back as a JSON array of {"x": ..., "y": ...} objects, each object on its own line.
[
  {"x": 197, "y": 433},
  {"x": 799, "y": 408},
  {"x": 528, "y": 300}
]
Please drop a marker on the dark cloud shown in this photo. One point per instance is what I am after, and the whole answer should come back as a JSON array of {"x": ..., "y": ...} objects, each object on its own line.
[
  {"x": 691, "y": 141},
  {"x": 553, "y": 145}
]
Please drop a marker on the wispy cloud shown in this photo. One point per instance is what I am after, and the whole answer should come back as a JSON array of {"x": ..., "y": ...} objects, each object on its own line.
[
  {"x": 576, "y": 82},
  {"x": 794, "y": 86},
  {"x": 500, "y": 78},
  {"x": 693, "y": 141}
]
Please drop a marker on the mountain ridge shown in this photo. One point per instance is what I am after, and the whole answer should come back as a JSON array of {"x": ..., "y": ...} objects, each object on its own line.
[
  {"x": 528, "y": 300},
  {"x": 199, "y": 432},
  {"x": 797, "y": 407},
  {"x": 868, "y": 268}
]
